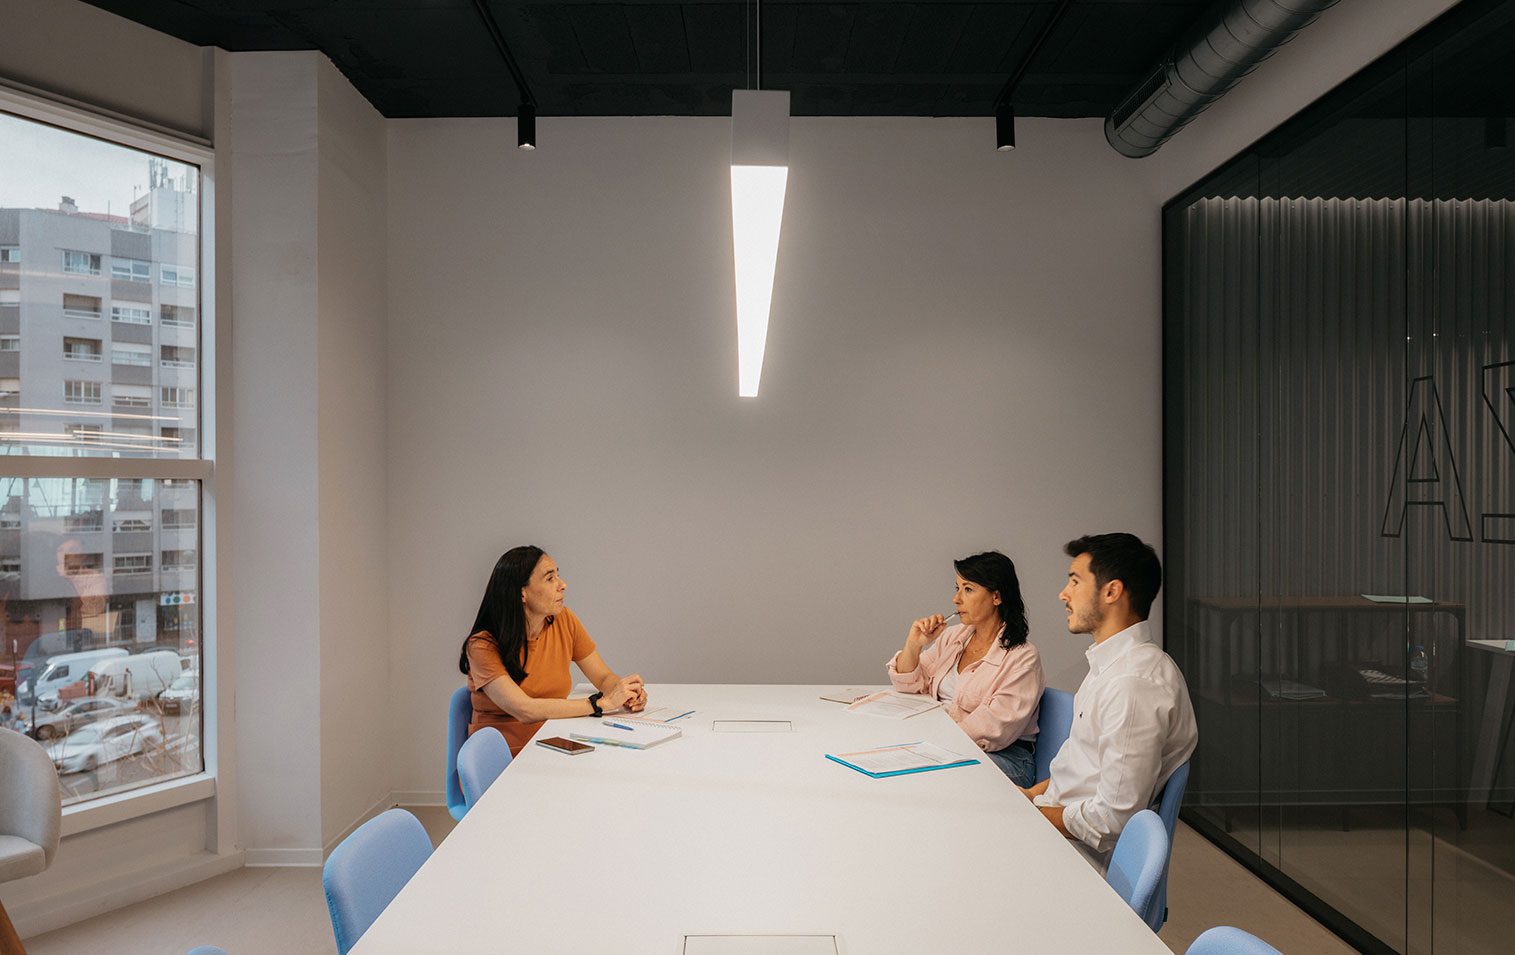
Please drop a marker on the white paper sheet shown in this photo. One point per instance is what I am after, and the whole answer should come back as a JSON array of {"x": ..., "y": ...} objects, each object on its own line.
[
  {"x": 895, "y": 759},
  {"x": 894, "y": 706}
]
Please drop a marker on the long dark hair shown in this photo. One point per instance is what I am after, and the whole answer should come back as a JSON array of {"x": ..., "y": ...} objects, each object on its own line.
[
  {"x": 996, "y": 573},
  {"x": 502, "y": 615}
]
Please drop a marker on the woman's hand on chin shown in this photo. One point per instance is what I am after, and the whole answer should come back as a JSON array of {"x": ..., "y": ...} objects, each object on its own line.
[{"x": 924, "y": 630}]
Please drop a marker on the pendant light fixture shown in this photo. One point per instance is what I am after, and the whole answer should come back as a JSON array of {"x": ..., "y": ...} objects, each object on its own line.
[{"x": 759, "y": 178}]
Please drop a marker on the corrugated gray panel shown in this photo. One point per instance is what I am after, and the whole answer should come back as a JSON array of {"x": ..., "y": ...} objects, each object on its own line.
[{"x": 1303, "y": 339}]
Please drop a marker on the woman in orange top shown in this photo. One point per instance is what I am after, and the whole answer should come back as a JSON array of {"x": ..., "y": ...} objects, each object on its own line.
[{"x": 516, "y": 657}]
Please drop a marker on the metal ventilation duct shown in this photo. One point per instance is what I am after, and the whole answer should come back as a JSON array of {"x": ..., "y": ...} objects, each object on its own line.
[{"x": 1227, "y": 44}]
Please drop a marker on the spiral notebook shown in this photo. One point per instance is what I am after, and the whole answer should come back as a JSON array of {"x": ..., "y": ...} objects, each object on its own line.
[
  {"x": 656, "y": 716},
  {"x": 627, "y": 735}
]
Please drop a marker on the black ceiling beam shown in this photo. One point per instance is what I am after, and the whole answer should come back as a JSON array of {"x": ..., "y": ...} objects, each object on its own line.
[
  {"x": 1008, "y": 90},
  {"x": 495, "y": 35}
]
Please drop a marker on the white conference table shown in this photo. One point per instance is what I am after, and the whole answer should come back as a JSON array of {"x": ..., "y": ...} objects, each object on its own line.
[{"x": 717, "y": 833}]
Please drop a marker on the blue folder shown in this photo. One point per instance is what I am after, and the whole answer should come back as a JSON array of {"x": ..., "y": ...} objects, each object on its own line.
[{"x": 902, "y": 772}]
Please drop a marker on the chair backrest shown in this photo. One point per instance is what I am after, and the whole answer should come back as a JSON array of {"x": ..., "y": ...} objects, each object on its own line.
[
  {"x": 1225, "y": 940},
  {"x": 368, "y": 869},
  {"x": 1054, "y": 722},
  {"x": 1167, "y": 808},
  {"x": 481, "y": 761},
  {"x": 31, "y": 801},
  {"x": 459, "y": 715},
  {"x": 1137, "y": 863}
]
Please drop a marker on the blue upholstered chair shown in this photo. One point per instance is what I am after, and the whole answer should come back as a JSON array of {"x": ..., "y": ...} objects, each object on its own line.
[
  {"x": 1137, "y": 863},
  {"x": 1167, "y": 807},
  {"x": 481, "y": 761},
  {"x": 368, "y": 869},
  {"x": 1054, "y": 723},
  {"x": 459, "y": 715},
  {"x": 1225, "y": 940}
]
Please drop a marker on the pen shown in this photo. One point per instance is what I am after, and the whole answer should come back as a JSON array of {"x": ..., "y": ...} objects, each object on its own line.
[
  {"x": 679, "y": 717},
  {"x": 619, "y": 726}
]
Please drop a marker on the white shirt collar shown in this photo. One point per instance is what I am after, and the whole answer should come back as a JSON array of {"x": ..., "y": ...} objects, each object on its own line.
[{"x": 1102, "y": 655}]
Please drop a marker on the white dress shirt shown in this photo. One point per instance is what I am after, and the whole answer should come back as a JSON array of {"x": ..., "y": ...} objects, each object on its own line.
[{"x": 1133, "y": 725}]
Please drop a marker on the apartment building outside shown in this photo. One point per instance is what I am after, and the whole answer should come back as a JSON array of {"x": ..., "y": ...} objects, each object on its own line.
[{"x": 99, "y": 347}]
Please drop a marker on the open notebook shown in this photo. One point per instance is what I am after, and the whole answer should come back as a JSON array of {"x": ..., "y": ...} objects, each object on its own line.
[{"x": 628, "y": 735}]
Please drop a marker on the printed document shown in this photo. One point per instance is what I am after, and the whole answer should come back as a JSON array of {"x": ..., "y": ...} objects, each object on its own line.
[
  {"x": 901, "y": 759},
  {"x": 895, "y": 706}
]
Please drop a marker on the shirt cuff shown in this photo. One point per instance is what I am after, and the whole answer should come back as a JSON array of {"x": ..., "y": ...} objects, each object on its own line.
[
  {"x": 911, "y": 682},
  {"x": 1078, "y": 826}
]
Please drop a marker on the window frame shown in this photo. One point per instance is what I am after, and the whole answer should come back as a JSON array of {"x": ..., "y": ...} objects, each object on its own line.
[
  {"x": 153, "y": 797},
  {"x": 146, "y": 318},
  {"x": 94, "y": 262},
  {"x": 130, "y": 267},
  {"x": 91, "y": 393}
]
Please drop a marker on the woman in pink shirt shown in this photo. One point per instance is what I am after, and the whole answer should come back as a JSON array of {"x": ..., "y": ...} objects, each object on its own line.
[{"x": 984, "y": 670}]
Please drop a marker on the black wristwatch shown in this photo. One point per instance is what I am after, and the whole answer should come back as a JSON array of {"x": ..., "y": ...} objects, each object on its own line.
[{"x": 594, "y": 703}]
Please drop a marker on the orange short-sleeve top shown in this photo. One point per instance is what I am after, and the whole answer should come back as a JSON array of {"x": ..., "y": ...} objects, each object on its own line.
[{"x": 564, "y": 640}]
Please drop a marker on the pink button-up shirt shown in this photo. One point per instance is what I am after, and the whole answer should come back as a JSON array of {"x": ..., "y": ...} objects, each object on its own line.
[{"x": 997, "y": 697}]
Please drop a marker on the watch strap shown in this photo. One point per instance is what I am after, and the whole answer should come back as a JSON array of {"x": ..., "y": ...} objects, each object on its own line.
[{"x": 594, "y": 703}]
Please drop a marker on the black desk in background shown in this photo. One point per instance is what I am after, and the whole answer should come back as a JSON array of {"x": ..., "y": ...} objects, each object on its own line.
[{"x": 1345, "y": 746}]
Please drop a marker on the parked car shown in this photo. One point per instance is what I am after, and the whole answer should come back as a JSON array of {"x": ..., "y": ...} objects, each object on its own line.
[
  {"x": 90, "y": 747},
  {"x": 141, "y": 676},
  {"x": 64, "y": 675},
  {"x": 182, "y": 695},
  {"x": 74, "y": 714}
]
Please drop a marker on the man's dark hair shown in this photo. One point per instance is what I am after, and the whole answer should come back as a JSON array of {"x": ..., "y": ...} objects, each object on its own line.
[{"x": 1122, "y": 557}]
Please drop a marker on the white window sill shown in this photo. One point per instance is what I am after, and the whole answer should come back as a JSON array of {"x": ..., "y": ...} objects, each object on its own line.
[{"x": 109, "y": 810}]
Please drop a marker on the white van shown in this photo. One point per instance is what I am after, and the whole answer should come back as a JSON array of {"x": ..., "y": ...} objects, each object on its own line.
[
  {"x": 141, "y": 676},
  {"x": 63, "y": 675}
]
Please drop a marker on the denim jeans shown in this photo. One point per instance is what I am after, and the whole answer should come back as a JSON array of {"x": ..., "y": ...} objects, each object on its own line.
[{"x": 1018, "y": 761}]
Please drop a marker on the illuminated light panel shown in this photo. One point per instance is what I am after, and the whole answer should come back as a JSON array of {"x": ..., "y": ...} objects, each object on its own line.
[
  {"x": 759, "y": 179},
  {"x": 757, "y": 212}
]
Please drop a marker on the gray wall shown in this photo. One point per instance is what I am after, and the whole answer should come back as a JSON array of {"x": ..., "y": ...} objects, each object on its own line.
[
  {"x": 74, "y": 50},
  {"x": 963, "y": 355}
]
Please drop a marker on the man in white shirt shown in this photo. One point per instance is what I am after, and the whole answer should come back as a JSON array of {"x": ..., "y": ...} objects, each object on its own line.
[{"x": 1133, "y": 724}]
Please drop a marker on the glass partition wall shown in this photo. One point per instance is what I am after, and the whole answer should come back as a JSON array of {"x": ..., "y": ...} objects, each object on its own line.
[{"x": 1340, "y": 481}]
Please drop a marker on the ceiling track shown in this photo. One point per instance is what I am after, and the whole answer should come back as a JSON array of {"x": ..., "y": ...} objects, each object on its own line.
[
  {"x": 493, "y": 29},
  {"x": 1007, "y": 92}
]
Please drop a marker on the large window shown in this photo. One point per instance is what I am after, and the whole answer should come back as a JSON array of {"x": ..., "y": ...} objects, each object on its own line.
[{"x": 101, "y": 473}]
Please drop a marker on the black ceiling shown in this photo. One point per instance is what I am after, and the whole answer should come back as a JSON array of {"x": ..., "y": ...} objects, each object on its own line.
[{"x": 414, "y": 58}]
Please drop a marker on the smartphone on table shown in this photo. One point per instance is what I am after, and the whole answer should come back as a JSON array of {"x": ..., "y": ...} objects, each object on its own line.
[{"x": 569, "y": 746}]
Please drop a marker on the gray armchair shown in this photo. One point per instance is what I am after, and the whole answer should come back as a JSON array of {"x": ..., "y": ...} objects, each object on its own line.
[{"x": 31, "y": 815}]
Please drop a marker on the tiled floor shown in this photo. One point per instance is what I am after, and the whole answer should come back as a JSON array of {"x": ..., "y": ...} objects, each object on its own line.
[{"x": 283, "y": 910}]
